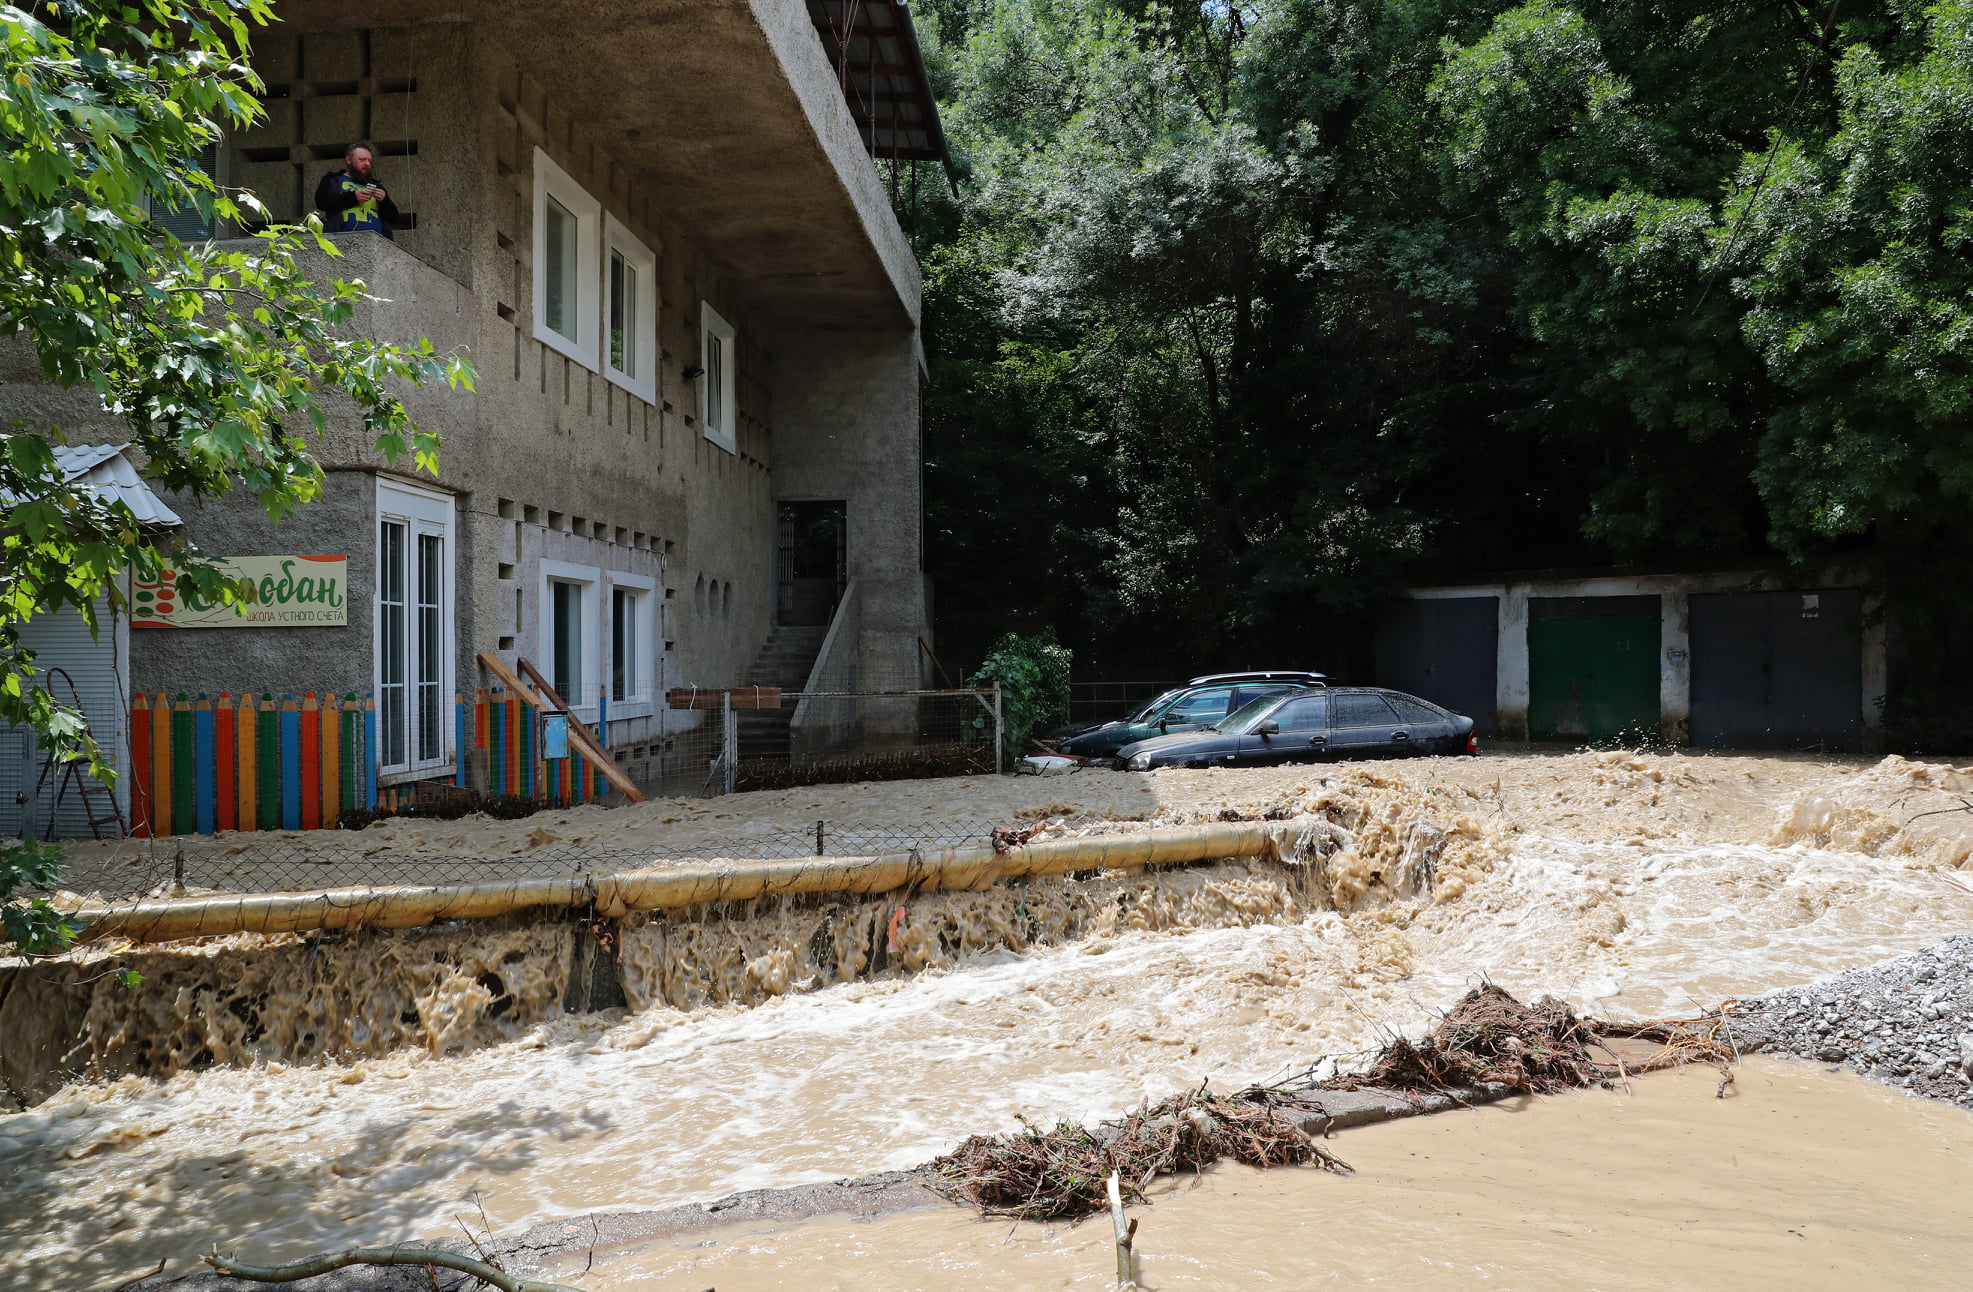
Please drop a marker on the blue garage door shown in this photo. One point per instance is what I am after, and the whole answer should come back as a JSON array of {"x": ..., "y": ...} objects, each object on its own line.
[
  {"x": 1443, "y": 650},
  {"x": 1778, "y": 670}
]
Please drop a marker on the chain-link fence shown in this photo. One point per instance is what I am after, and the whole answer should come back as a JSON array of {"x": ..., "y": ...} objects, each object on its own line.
[
  {"x": 1102, "y": 701},
  {"x": 319, "y": 860}
]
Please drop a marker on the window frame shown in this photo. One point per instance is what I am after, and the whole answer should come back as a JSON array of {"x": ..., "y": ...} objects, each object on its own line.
[
  {"x": 727, "y": 434},
  {"x": 619, "y": 240},
  {"x": 643, "y": 704},
  {"x": 423, "y": 513},
  {"x": 552, "y": 180},
  {"x": 589, "y": 667}
]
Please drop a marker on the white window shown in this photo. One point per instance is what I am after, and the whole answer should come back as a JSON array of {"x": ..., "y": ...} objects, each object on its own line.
[
  {"x": 568, "y": 222},
  {"x": 571, "y": 654},
  {"x": 633, "y": 629},
  {"x": 630, "y": 312},
  {"x": 716, "y": 406},
  {"x": 413, "y": 628}
]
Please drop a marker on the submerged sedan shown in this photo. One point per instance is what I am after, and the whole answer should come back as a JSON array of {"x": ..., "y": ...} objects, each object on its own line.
[{"x": 1310, "y": 726}]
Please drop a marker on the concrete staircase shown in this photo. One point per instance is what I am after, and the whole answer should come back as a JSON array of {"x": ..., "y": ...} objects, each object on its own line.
[{"x": 785, "y": 661}]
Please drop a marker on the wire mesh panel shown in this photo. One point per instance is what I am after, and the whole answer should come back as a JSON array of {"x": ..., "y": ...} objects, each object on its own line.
[{"x": 833, "y": 737}]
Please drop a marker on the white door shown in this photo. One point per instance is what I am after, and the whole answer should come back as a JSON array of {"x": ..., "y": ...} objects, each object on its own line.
[{"x": 414, "y": 634}]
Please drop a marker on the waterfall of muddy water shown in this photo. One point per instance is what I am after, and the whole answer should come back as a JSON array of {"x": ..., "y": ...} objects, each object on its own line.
[
  {"x": 1803, "y": 1179},
  {"x": 763, "y": 1052}
]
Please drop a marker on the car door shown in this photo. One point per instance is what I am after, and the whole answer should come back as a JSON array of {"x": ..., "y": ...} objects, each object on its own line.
[
  {"x": 1363, "y": 726},
  {"x": 1431, "y": 730},
  {"x": 1302, "y": 734}
]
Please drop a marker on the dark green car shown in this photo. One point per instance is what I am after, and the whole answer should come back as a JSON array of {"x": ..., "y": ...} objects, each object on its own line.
[{"x": 1199, "y": 703}]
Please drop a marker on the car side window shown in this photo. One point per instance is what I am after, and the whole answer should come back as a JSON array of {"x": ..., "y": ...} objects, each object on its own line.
[
  {"x": 1201, "y": 706},
  {"x": 1413, "y": 710},
  {"x": 1362, "y": 711},
  {"x": 1311, "y": 714}
]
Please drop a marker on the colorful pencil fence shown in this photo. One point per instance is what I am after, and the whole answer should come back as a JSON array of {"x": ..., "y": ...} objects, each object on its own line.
[{"x": 205, "y": 764}]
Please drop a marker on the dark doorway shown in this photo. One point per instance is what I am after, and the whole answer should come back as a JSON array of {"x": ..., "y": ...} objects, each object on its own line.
[
  {"x": 811, "y": 562},
  {"x": 1445, "y": 650},
  {"x": 1778, "y": 670}
]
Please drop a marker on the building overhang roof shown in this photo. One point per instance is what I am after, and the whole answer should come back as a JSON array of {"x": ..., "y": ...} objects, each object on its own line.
[{"x": 873, "y": 48}]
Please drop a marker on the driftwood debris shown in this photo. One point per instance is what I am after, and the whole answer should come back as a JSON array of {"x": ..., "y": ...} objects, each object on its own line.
[
  {"x": 427, "y": 1257},
  {"x": 1489, "y": 1041}
]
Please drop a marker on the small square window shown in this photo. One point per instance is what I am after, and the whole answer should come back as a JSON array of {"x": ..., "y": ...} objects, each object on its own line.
[
  {"x": 567, "y": 237},
  {"x": 630, "y": 306},
  {"x": 716, "y": 404}
]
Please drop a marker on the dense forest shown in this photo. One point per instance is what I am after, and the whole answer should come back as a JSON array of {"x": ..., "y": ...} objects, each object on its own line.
[{"x": 1245, "y": 315}]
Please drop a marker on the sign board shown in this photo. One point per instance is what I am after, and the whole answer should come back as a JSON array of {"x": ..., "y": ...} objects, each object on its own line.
[
  {"x": 284, "y": 592},
  {"x": 554, "y": 736}
]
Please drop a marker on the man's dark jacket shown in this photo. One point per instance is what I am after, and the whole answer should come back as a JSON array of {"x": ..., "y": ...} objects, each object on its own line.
[{"x": 336, "y": 198}]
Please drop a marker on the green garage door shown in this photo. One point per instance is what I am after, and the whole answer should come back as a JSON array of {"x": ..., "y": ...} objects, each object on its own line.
[{"x": 1593, "y": 668}]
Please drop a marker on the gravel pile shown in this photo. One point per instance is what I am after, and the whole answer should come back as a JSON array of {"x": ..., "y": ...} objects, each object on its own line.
[{"x": 1906, "y": 1022}]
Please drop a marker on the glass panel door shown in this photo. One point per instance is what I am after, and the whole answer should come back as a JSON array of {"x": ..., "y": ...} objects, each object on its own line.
[
  {"x": 394, "y": 647},
  {"x": 431, "y": 642}
]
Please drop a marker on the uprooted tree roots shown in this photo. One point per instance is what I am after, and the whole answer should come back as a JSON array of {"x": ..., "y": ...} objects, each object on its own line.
[{"x": 1488, "y": 1042}]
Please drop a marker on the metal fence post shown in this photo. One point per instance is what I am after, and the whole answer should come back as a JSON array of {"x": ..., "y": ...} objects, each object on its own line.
[
  {"x": 999, "y": 733},
  {"x": 730, "y": 753}
]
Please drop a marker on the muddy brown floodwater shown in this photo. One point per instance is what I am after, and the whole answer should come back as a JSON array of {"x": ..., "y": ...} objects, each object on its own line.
[
  {"x": 1627, "y": 885},
  {"x": 1800, "y": 1179}
]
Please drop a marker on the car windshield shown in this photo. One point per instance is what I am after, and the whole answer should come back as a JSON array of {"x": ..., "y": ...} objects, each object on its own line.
[
  {"x": 1145, "y": 712},
  {"x": 1241, "y": 719}
]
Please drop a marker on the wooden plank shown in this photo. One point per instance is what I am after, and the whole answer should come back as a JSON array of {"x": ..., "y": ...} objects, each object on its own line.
[
  {"x": 744, "y": 697},
  {"x": 290, "y": 764},
  {"x": 311, "y": 763},
  {"x": 140, "y": 766},
  {"x": 332, "y": 764},
  {"x": 161, "y": 766},
  {"x": 245, "y": 750},
  {"x": 226, "y": 763},
  {"x": 204, "y": 788},
  {"x": 577, "y": 731}
]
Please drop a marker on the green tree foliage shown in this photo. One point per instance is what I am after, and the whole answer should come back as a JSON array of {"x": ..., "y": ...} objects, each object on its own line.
[
  {"x": 218, "y": 360},
  {"x": 1281, "y": 303},
  {"x": 1033, "y": 676}
]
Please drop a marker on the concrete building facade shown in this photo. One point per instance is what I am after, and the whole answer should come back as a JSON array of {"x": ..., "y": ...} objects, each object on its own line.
[{"x": 658, "y": 233}]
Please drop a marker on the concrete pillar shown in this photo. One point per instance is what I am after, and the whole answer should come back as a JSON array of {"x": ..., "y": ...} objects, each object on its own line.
[
  {"x": 1876, "y": 672},
  {"x": 1675, "y": 667},
  {"x": 1512, "y": 685}
]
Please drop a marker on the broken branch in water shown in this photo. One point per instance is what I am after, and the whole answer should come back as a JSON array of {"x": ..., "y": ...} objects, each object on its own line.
[
  {"x": 491, "y": 1275},
  {"x": 1487, "y": 1042},
  {"x": 1124, "y": 1235}
]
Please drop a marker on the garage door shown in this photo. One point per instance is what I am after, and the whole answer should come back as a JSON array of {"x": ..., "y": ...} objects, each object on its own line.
[
  {"x": 1778, "y": 670},
  {"x": 61, "y": 641},
  {"x": 1444, "y": 650},
  {"x": 1593, "y": 668}
]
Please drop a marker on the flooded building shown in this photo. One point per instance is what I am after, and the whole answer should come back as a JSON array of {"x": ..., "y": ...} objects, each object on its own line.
[
  {"x": 661, "y": 235},
  {"x": 1742, "y": 659}
]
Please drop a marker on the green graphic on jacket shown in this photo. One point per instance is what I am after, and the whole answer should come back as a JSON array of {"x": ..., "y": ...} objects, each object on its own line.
[{"x": 364, "y": 214}]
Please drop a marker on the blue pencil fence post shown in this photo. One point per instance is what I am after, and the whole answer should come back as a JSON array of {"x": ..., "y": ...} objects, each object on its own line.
[
  {"x": 459, "y": 739},
  {"x": 290, "y": 764},
  {"x": 370, "y": 752},
  {"x": 528, "y": 754},
  {"x": 203, "y": 763},
  {"x": 603, "y": 717}
]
